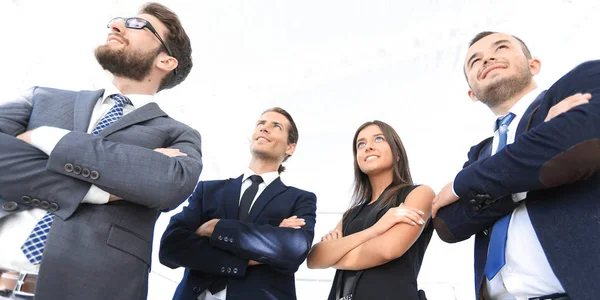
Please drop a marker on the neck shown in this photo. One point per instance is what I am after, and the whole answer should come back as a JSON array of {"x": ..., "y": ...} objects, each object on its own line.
[
  {"x": 505, "y": 107},
  {"x": 379, "y": 183},
  {"x": 260, "y": 166},
  {"x": 128, "y": 86}
]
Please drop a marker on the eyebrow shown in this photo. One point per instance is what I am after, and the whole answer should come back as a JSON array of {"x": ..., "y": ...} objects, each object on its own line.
[
  {"x": 496, "y": 43},
  {"x": 375, "y": 135}
]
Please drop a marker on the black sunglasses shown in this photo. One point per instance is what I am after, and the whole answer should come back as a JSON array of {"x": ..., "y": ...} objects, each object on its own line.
[{"x": 139, "y": 23}]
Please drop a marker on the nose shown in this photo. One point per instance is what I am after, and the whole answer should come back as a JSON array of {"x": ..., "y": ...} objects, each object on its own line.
[
  {"x": 264, "y": 128},
  {"x": 117, "y": 26},
  {"x": 489, "y": 60}
]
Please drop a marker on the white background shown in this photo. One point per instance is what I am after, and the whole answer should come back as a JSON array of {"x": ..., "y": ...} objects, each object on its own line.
[{"x": 333, "y": 65}]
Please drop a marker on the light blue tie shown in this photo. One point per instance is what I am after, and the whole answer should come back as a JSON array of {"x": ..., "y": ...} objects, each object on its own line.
[
  {"x": 33, "y": 248},
  {"x": 496, "y": 257}
]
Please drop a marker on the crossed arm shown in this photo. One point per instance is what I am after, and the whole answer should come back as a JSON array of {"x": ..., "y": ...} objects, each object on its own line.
[
  {"x": 385, "y": 241},
  {"x": 193, "y": 242}
]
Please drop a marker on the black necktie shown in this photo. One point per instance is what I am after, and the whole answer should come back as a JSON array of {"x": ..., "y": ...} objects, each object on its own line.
[{"x": 248, "y": 197}]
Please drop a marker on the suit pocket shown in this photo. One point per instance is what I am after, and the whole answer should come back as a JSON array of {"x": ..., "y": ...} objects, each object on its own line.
[{"x": 129, "y": 242}]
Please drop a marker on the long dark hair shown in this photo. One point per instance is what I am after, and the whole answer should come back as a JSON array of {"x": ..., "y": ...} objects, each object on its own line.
[{"x": 401, "y": 172}]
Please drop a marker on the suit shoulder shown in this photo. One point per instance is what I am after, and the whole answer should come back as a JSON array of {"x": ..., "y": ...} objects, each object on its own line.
[
  {"x": 301, "y": 192},
  {"x": 582, "y": 77}
]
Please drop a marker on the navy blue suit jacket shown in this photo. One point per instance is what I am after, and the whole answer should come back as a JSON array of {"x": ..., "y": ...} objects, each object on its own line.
[
  {"x": 558, "y": 163},
  {"x": 233, "y": 242}
]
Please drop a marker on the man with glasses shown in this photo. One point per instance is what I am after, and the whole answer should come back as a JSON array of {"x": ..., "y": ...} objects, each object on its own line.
[{"x": 84, "y": 175}]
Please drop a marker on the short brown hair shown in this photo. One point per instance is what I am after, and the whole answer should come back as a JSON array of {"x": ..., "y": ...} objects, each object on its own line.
[
  {"x": 483, "y": 34},
  {"x": 177, "y": 41},
  {"x": 292, "y": 131}
]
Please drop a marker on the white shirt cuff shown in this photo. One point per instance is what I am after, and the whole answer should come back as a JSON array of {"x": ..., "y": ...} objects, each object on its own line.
[
  {"x": 96, "y": 196},
  {"x": 45, "y": 138}
]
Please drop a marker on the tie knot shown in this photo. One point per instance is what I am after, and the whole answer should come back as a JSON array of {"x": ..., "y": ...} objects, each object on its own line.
[
  {"x": 120, "y": 100},
  {"x": 504, "y": 121},
  {"x": 256, "y": 179}
]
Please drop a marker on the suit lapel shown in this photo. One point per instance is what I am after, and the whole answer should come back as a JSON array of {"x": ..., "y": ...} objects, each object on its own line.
[
  {"x": 144, "y": 113},
  {"x": 527, "y": 118},
  {"x": 232, "y": 197},
  {"x": 276, "y": 187},
  {"x": 84, "y": 105}
]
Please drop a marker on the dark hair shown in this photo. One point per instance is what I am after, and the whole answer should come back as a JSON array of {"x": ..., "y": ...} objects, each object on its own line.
[
  {"x": 177, "y": 41},
  {"x": 292, "y": 131},
  {"x": 401, "y": 172},
  {"x": 483, "y": 34}
]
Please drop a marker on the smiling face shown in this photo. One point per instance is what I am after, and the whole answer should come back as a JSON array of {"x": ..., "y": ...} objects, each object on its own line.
[
  {"x": 270, "y": 137},
  {"x": 131, "y": 53},
  {"x": 497, "y": 69},
  {"x": 373, "y": 152}
]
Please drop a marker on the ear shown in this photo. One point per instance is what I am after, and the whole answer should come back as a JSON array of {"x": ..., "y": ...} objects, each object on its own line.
[
  {"x": 289, "y": 150},
  {"x": 535, "y": 66},
  {"x": 166, "y": 63},
  {"x": 472, "y": 95}
]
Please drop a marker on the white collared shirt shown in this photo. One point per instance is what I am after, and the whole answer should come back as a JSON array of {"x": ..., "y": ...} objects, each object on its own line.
[
  {"x": 527, "y": 272},
  {"x": 267, "y": 179},
  {"x": 15, "y": 229}
]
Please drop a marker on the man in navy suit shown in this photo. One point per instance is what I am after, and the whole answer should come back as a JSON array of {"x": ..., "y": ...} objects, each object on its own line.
[
  {"x": 531, "y": 193},
  {"x": 245, "y": 238}
]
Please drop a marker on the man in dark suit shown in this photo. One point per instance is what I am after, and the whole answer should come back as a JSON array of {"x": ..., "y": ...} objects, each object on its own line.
[
  {"x": 245, "y": 238},
  {"x": 532, "y": 204},
  {"x": 84, "y": 175}
]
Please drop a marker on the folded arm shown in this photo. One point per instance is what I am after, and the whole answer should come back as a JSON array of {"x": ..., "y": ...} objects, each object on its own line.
[
  {"x": 394, "y": 242},
  {"x": 282, "y": 248}
]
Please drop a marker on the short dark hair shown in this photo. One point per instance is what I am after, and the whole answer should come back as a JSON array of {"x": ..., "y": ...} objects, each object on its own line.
[
  {"x": 177, "y": 41},
  {"x": 483, "y": 34},
  {"x": 292, "y": 131}
]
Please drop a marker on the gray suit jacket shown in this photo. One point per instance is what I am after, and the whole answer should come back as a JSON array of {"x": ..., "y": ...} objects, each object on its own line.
[{"x": 95, "y": 251}]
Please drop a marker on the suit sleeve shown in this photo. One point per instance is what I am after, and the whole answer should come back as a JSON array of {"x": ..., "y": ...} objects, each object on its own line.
[
  {"x": 564, "y": 150},
  {"x": 180, "y": 246},
  {"x": 284, "y": 249},
  {"x": 466, "y": 217},
  {"x": 134, "y": 173},
  {"x": 23, "y": 173}
]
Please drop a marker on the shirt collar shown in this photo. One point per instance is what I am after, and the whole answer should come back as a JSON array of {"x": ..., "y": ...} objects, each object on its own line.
[
  {"x": 521, "y": 106},
  {"x": 138, "y": 100},
  {"x": 267, "y": 177}
]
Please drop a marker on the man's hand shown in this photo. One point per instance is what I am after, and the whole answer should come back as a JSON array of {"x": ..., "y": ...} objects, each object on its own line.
[
  {"x": 568, "y": 103},
  {"x": 253, "y": 263},
  {"x": 170, "y": 152},
  {"x": 207, "y": 228},
  {"x": 292, "y": 222},
  {"x": 25, "y": 136},
  {"x": 443, "y": 198}
]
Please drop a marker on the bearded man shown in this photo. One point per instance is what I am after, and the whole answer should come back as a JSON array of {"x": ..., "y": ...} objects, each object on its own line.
[
  {"x": 530, "y": 194},
  {"x": 84, "y": 175}
]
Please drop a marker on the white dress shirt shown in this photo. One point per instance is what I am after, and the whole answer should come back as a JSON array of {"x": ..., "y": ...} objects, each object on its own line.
[
  {"x": 267, "y": 179},
  {"x": 15, "y": 229},
  {"x": 527, "y": 272}
]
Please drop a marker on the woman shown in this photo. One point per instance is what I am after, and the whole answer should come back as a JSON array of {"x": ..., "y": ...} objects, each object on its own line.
[{"x": 378, "y": 246}]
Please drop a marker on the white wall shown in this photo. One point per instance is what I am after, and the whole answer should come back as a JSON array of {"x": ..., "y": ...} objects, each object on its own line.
[{"x": 333, "y": 65}]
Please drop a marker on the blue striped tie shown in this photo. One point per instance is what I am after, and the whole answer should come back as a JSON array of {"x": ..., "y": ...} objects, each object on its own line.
[
  {"x": 33, "y": 248},
  {"x": 496, "y": 257}
]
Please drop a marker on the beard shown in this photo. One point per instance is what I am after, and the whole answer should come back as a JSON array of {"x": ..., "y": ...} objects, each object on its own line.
[
  {"x": 131, "y": 64},
  {"x": 503, "y": 89}
]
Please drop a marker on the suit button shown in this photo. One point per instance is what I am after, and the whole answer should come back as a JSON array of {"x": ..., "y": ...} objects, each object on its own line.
[
  {"x": 10, "y": 206},
  {"x": 94, "y": 175},
  {"x": 488, "y": 201},
  {"x": 485, "y": 232},
  {"x": 231, "y": 240},
  {"x": 235, "y": 270},
  {"x": 220, "y": 238},
  {"x": 53, "y": 207},
  {"x": 36, "y": 202},
  {"x": 85, "y": 173},
  {"x": 226, "y": 239},
  {"x": 482, "y": 198},
  {"x": 77, "y": 170},
  {"x": 69, "y": 168},
  {"x": 473, "y": 201},
  {"x": 45, "y": 204},
  {"x": 196, "y": 290},
  {"x": 222, "y": 269},
  {"x": 228, "y": 270},
  {"x": 26, "y": 199}
]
